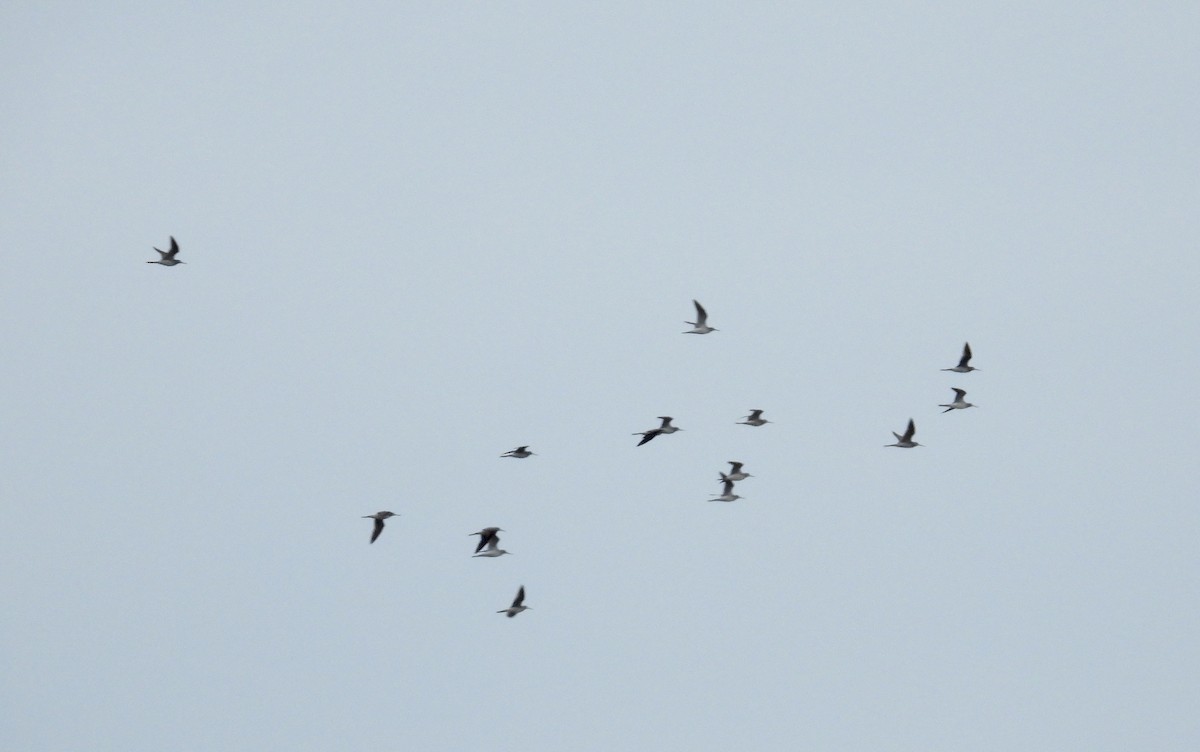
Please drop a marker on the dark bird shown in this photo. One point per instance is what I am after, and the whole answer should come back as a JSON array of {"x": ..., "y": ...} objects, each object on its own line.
[
  {"x": 755, "y": 418},
  {"x": 379, "y": 517},
  {"x": 962, "y": 366},
  {"x": 735, "y": 472},
  {"x": 727, "y": 493},
  {"x": 485, "y": 536},
  {"x": 959, "y": 403},
  {"x": 905, "y": 441},
  {"x": 516, "y": 606},
  {"x": 666, "y": 427},
  {"x": 168, "y": 257}
]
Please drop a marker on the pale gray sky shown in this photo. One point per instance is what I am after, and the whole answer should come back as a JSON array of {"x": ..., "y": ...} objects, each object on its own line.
[{"x": 419, "y": 236}]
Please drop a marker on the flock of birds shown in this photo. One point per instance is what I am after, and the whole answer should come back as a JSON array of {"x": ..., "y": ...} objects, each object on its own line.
[{"x": 489, "y": 539}]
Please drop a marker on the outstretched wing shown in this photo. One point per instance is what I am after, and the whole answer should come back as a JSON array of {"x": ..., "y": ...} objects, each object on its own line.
[
  {"x": 701, "y": 314},
  {"x": 520, "y": 597},
  {"x": 966, "y": 356},
  {"x": 378, "y": 529}
]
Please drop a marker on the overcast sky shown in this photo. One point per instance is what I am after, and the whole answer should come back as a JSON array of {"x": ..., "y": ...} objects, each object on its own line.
[{"x": 418, "y": 235}]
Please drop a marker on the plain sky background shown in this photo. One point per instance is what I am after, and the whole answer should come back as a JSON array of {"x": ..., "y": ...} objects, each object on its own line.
[{"x": 421, "y": 234}]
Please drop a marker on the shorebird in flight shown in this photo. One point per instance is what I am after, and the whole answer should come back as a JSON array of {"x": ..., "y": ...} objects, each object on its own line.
[
  {"x": 379, "y": 517},
  {"x": 962, "y": 366},
  {"x": 491, "y": 551},
  {"x": 666, "y": 427},
  {"x": 517, "y": 605},
  {"x": 905, "y": 441},
  {"x": 755, "y": 418},
  {"x": 959, "y": 403},
  {"x": 520, "y": 453},
  {"x": 727, "y": 493},
  {"x": 700, "y": 325},
  {"x": 735, "y": 472},
  {"x": 168, "y": 257},
  {"x": 486, "y": 535}
]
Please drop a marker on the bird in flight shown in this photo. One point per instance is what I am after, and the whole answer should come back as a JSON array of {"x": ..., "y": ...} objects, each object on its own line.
[
  {"x": 168, "y": 257},
  {"x": 379, "y": 517},
  {"x": 905, "y": 441},
  {"x": 517, "y": 605},
  {"x": 755, "y": 418},
  {"x": 486, "y": 535},
  {"x": 700, "y": 325},
  {"x": 727, "y": 493},
  {"x": 735, "y": 472},
  {"x": 666, "y": 427},
  {"x": 962, "y": 366},
  {"x": 519, "y": 453},
  {"x": 491, "y": 551},
  {"x": 959, "y": 403}
]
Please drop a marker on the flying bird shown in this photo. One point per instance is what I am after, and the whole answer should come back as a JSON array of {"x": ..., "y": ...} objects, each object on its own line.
[
  {"x": 962, "y": 366},
  {"x": 379, "y": 517},
  {"x": 168, "y": 257},
  {"x": 485, "y": 536},
  {"x": 700, "y": 325},
  {"x": 666, "y": 427},
  {"x": 519, "y": 453},
  {"x": 727, "y": 493},
  {"x": 491, "y": 551},
  {"x": 905, "y": 441},
  {"x": 959, "y": 403},
  {"x": 735, "y": 472},
  {"x": 755, "y": 418},
  {"x": 517, "y": 605}
]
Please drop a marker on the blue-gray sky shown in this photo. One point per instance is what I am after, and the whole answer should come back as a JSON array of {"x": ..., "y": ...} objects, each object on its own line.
[{"x": 419, "y": 236}]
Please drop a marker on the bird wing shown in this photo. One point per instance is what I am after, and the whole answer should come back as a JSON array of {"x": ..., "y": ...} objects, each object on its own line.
[
  {"x": 727, "y": 489},
  {"x": 910, "y": 431},
  {"x": 666, "y": 420},
  {"x": 701, "y": 314},
  {"x": 736, "y": 466},
  {"x": 959, "y": 393},
  {"x": 966, "y": 356},
  {"x": 378, "y": 529},
  {"x": 520, "y": 597},
  {"x": 174, "y": 248},
  {"x": 754, "y": 414},
  {"x": 647, "y": 436}
]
